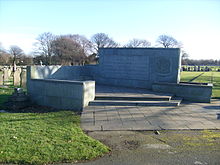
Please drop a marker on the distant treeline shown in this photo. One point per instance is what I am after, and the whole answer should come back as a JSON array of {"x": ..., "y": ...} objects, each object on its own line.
[{"x": 201, "y": 62}]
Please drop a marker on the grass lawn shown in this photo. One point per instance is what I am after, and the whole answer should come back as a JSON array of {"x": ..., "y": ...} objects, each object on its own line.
[
  {"x": 204, "y": 77},
  {"x": 4, "y": 94},
  {"x": 41, "y": 138}
]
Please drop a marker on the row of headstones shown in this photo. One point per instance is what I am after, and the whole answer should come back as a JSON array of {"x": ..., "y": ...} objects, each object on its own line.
[
  {"x": 197, "y": 69},
  {"x": 19, "y": 76}
]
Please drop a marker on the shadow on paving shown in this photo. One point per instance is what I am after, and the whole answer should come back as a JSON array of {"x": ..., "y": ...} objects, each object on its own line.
[{"x": 185, "y": 117}]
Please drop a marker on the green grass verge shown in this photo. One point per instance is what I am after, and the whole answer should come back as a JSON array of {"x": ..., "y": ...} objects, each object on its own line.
[
  {"x": 192, "y": 140},
  {"x": 4, "y": 94},
  {"x": 205, "y": 77},
  {"x": 39, "y": 138},
  {"x": 42, "y": 138}
]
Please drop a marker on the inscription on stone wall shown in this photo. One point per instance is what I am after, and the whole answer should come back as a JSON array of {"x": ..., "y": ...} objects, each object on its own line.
[{"x": 134, "y": 67}]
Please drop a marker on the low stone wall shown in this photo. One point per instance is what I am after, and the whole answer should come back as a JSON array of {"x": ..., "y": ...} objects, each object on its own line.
[
  {"x": 45, "y": 87},
  {"x": 61, "y": 94},
  {"x": 59, "y": 72},
  {"x": 199, "y": 92}
]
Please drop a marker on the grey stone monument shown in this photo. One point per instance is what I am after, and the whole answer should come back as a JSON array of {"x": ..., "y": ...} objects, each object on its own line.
[
  {"x": 23, "y": 78},
  {"x": 138, "y": 67},
  {"x": 16, "y": 78}
]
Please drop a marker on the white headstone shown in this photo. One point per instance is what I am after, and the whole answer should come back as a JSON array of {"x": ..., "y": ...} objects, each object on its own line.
[
  {"x": 16, "y": 78},
  {"x": 6, "y": 74}
]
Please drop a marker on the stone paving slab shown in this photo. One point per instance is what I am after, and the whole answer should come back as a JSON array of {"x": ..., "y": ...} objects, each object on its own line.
[{"x": 186, "y": 116}]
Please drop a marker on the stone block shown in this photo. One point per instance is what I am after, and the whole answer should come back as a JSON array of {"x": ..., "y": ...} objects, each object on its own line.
[
  {"x": 88, "y": 92},
  {"x": 53, "y": 101},
  {"x": 71, "y": 103},
  {"x": 71, "y": 90}
]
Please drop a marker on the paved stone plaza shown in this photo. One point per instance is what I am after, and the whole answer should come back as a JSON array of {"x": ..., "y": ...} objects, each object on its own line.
[{"x": 184, "y": 117}]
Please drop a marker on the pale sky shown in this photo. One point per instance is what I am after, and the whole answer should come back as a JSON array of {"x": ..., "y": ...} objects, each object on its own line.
[{"x": 196, "y": 23}]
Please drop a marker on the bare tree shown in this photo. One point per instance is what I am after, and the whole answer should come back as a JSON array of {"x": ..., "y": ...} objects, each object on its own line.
[
  {"x": 102, "y": 40},
  {"x": 87, "y": 45},
  {"x": 16, "y": 52},
  {"x": 184, "y": 57},
  {"x": 68, "y": 50},
  {"x": 139, "y": 43},
  {"x": 43, "y": 45},
  {"x": 168, "y": 41},
  {"x": 25, "y": 60},
  {"x": 5, "y": 58}
]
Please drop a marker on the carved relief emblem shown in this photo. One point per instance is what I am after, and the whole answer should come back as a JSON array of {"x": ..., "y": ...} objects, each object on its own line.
[{"x": 163, "y": 65}]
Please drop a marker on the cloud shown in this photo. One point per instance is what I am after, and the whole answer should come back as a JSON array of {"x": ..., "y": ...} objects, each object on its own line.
[{"x": 24, "y": 41}]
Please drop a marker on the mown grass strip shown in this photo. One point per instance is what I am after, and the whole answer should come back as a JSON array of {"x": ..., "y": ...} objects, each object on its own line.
[
  {"x": 5, "y": 92},
  {"x": 40, "y": 138},
  {"x": 194, "y": 78},
  {"x": 207, "y": 77}
]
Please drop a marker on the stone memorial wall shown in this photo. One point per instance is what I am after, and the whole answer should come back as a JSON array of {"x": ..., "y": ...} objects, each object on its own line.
[{"x": 138, "y": 67}]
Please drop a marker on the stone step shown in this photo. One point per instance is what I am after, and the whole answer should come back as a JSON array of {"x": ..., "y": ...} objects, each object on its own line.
[
  {"x": 175, "y": 102},
  {"x": 135, "y": 98}
]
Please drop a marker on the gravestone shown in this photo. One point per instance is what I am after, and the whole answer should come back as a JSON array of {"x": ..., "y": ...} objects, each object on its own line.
[
  {"x": 16, "y": 78},
  {"x": 19, "y": 69},
  {"x": 9, "y": 72},
  {"x": 184, "y": 68},
  {"x": 194, "y": 68},
  {"x": 23, "y": 78},
  {"x": 6, "y": 74},
  {"x": 207, "y": 69},
  {"x": 1, "y": 79}
]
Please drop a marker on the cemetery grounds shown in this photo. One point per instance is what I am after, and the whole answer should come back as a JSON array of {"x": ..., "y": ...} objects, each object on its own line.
[
  {"x": 204, "y": 77},
  {"x": 43, "y": 138}
]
